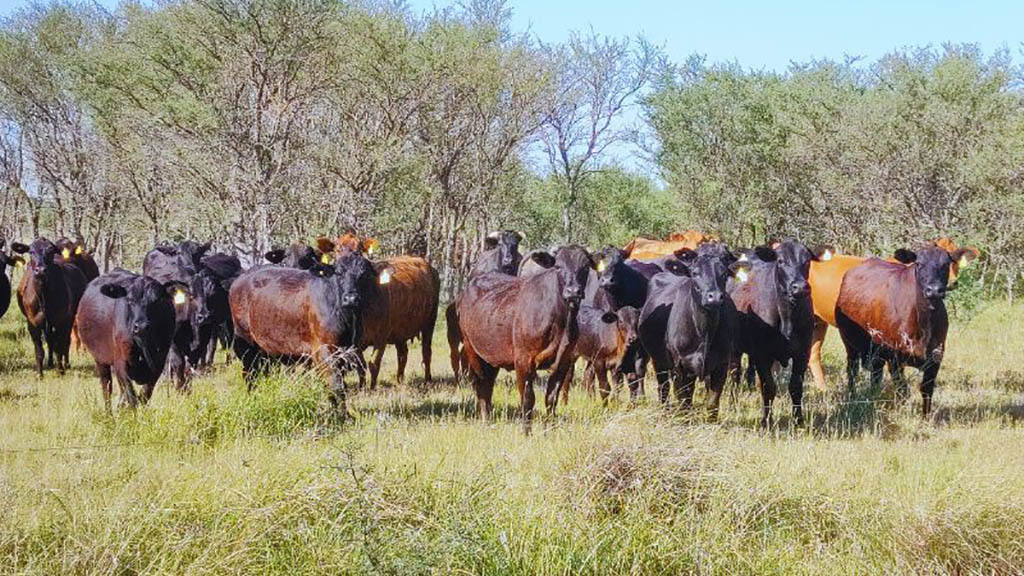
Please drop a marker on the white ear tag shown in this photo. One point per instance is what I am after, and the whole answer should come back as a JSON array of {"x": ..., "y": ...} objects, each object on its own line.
[
  {"x": 826, "y": 256},
  {"x": 179, "y": 297},
  {"x": 385, "y": 276}
]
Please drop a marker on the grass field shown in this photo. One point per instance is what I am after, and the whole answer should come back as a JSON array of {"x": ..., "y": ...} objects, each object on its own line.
[{"x": 226, "y": 482}]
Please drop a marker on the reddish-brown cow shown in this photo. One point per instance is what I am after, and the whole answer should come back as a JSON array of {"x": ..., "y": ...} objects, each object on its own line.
[
  {"x": 525, "y": 324},
  {"x": 893, "y": 312}
]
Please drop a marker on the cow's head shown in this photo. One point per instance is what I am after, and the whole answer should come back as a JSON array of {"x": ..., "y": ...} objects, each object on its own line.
[
  {"x": 573, "y": 264},
  {"x": 357, "y": 278},
  {"x": 351, "y": 242},
  {"x": 150, "y": 309},
  {"x": 506, "y": 242},
  {"x": 792, "y": 265},
  {"x": 627, "y": 321},
  {"x": 296, "y": 255},
  {"x": 931, "y": 268},
  {"x": 42, "y": 253},
  {"x": 611, "y": 263},
  {"x": 8, "y": 259},
  {"x": 709, "y": 267}
]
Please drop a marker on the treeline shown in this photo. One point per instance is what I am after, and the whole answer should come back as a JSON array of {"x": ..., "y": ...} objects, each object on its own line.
[
  {"x": 921, "y": 144},
  {"x": 261, "y": 122}
]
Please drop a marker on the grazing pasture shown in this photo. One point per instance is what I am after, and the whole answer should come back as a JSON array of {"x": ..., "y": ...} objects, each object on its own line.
[{"x": 221, "y": 481}]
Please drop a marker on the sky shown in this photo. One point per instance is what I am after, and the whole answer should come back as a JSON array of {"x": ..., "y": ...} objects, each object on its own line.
[{"x": 766, "y": 34}]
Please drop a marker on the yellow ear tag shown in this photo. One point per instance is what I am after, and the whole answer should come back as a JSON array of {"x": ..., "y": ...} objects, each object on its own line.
[
  {"x": 826, "y": 256},
  {"x": 964, "y": 261},
  {"x": 19, "y": 263},
  {"x": 371, "y": 248},
  {"x": 326, "y": 259},
  {"x": 65, "y": 253},
  {"x": 78, "y": 249},
  {"x": 179, "y": 297},
  {"x": 601, "y": 266},
  {"x": 742, "y": 276},
  {"x": 385, "y": 276}
]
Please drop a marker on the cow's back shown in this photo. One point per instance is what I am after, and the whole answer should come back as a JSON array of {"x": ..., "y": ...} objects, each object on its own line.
[
  {"x": 102, "y": 325},
  {"x": 826, "y": 279},
  {"x": 273, "y": 308}
]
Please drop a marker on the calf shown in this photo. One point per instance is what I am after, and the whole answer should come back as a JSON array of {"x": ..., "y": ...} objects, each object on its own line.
[
  {"x": 126, "y": 322},
  {"x": 5, "y": 282},
  {"x": 501, "y": 254},
  {"x": 289, "y": 314},
  {"x": 894, "y": 312},
  {"x": 524, "y": 324},
  {"x": 688, "y": 324},
  {"x": 604, "y": 338},
  {"x": 775, "y": 319},
  {"x": 48, "y": 296}
]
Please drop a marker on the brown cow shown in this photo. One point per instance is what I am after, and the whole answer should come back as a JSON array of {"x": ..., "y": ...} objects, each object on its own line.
[
  {"x": 525, "y": 324},
  {"x": 894, "y": 312},
  {"x": 826, "y": 277},
  {"x": 641, "y": 248},
  {"x": 48, "y": 296},
  {"x": 406, "y": 309},
  {"x": 290, "y": 314},
  {"x": 500, "y": 254}
]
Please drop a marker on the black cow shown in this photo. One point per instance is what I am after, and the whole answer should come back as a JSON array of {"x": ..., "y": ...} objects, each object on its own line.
[
  {"x": 178, "y": 263},
  {"x": 297, "y": 255},
  {"x": 776, "y": 319},
  {"x": 688, "y": 324},
  {"x": 5, "y": 282},
  {"x": 126, "y": 322},
  {"x": 211, "y": 313}
]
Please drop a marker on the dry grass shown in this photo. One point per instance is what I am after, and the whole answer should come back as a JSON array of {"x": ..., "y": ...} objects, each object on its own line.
[{"x": 226, "y": 482}]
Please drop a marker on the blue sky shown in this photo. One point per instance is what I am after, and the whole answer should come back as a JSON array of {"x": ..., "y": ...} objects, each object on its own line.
[{"x": 762, "y": 34}]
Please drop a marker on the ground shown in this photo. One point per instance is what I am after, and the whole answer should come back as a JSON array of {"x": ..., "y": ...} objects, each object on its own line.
[{"x": 226, "y": 482}]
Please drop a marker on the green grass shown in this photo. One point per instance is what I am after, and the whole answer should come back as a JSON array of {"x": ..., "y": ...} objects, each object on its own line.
[{"x": 226, "y": 482}]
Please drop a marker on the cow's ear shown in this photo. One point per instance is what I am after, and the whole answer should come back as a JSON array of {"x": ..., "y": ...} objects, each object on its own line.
[
  {"x": 543, "y": 259},
  {"x": 740, "y": 270},
  {"x": 685, "y": 254},
  {"x": 167, "y": 249},
  {"x": 370, "y": 246},
  {"x": 766, "y": 254},
  {"x": 325, "y": 245},
  {"x": 609, "y": 317},
  {"x": 204, "y": 248},
  {"x": 677, "y": 267},
  {"x": 19, "y": 247},
  {"x": 491, "y": 241},
  {"x": 964, "y": 256},
  {"x": 113, "y": 291},
  {"x": 384, "y": 273},
  {"x": 823, "y": 253},
  {"x": 628, "y": 248},
  {"x": 773, "y": 243},
  {"x": 16, "y": 261},
  {"x": 905, "y": 256},
  {"x": 178, "y": 292},
  {"x": 275, "y": 256}
]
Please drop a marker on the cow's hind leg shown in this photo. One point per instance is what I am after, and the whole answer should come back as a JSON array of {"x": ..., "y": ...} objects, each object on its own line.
[
  {"x": 378, "y": 357},
  {"x": 899, "y": 383},
  {"x": 427, "y": 349},
  {"x": 524, "y": 384},
  {"x": 106, "y": 383},
  {"x": 817, "y": 340},
  {"x": 250, "y": 357},
  {"x": 768, "y": 389},
  {"x": 402, "y": 351},
  {"x": 483, "y": 376}
]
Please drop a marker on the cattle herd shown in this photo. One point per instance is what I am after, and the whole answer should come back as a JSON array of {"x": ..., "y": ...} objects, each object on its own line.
[{"x": 688, "y": 307}]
